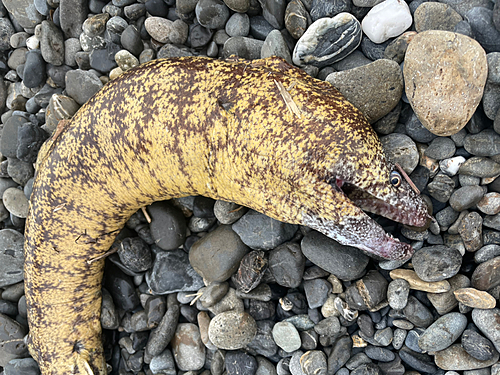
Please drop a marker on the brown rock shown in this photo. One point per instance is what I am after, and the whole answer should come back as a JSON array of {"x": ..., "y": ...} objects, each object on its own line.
[
  {"x": 470, "y": 230},
  {"x": 419, "y": 284},
  {"x": 445, "y": 74},
  {"x": 487, "y": 275},
  {"x": 445, "y": 302},
  {"x": 490, "y": 203},
  {"x": 455, "y": 358},
  {"x": 475, "y": 298}
]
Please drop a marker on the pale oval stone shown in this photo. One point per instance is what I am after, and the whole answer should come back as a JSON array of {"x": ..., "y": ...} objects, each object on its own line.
[
  {"x": 232, "y": 330},
  {"x": 445, "y": 74},
  {"x": 159, "y": 28},
  {"x": 475, "y": 298},
  {"x": 419, "y": 284},
  {"x": 126, "y": 60},
  {"x": 386, "y": 20},
  {"x": 16, "y": 202}
]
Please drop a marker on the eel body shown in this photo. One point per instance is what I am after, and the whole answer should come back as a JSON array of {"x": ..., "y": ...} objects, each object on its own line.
[{"x": 262, "y": 134}]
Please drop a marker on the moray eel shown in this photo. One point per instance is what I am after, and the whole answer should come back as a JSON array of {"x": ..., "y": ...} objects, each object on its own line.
[{"x": 262, "y": 134}]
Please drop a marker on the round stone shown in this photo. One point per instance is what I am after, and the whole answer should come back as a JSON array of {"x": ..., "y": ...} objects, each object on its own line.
[
  {"x": 232, "y": 330},
  {"x": 401, "y": 149},
  {"x": 477, "y": 346},
  {"x": 16, "y": 202},
  {"x": 313, "y": 362},
  {"x": 459, "y": 71},
  {"x": 436, "y": 263}
]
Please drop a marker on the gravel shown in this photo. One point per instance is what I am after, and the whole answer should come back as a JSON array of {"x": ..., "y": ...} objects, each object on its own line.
[{"x": 211, "y": 286}]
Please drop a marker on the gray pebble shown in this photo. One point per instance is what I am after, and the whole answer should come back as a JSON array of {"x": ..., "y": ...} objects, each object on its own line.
[
  {"x": 212, "y": 14},
  {"x": 16, "y": 202},
  {"x": 12, "y": 258},
  {"x": 477, "y": 346},
  {"x": 417, "y": 131},
  {"x": 340, "y": 354},
  {"x": 109, "y": 315},
  {"x": 313, "y": 363},
  {"x": 466, "y": 197},
  {"x": 486, "y": 253},
  {"x": 82, "y": 85},
  {"x": 345, "y": 262},
  {"x": 316, "y": 291},
  {"x": 397, "y": 293},
  {"x": 401, "y": 149},
  {"x": 160, "y": 337},
  {"x": 263, "y": 343},
  {"x": 399, "y": 338},
  {"x": 286, "y": 263},
  {"x": 163, "y": 363},
  {"x": 217, "y": 255},
  {"x": 456, "y": 358},
  {"x": 71, "y": 47},
  {"x": 379, "y": 354},
  {"x": 446, "y": 302},
  {"x": 238, "y": 25},
  {"x": 275, "y": 45},
  {"x": 286, "y": 336},
  {"x": 187, "y": 347},
  {"x": 243, "y": 47},
  {"x": 368, "y": 292},
  {"x": 20, "y": 171},
  {"x": 485, "y": 143},
  {"x": 441, "y": 148},
  {"x": 131, "y": 40},
  {"x": 480, "y": 167},
  {"x": 262, "y": 232},
  {"x": 436, "y": 263},
  {"x": 375, "y": 89},
  {"x": 172, "y": 272},
  {"x": 416, "y": 312},
  {"x": 52, "y": 44},
  {"x": 443, "y": 332},
  {"x": 103, "y": 59}
]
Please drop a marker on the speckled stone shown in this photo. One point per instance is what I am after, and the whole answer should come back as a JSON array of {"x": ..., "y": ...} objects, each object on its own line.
[
  {"x": 401, "y": 149},
  {"x": 487, "y": 275},
  {"x": 462, "y": 69},
  {"x": 232, "y": 330},
  {"x": 436, "y": 16}
]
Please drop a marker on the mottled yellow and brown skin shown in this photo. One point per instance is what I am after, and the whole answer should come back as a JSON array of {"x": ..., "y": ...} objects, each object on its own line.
[{"x": 189, "y": 126}]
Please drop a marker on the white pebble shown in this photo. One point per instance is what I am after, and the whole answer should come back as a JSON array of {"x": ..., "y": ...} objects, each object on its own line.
[
  {"x": 386, "y": 20},
  {"x": 450, "y": 166},
  {"x": 32, "y": 42}
]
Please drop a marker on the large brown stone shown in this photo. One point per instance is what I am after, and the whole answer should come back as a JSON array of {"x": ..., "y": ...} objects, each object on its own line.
[{"x": 445, "y": 74}]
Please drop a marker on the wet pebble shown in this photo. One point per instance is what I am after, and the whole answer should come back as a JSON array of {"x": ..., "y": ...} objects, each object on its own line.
[
  {"x": 240, "y": 363},
  {"x": 443, "y": 332}
]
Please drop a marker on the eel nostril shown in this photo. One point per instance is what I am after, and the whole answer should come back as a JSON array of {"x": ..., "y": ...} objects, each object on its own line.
[{"x": 77, "y": 347}]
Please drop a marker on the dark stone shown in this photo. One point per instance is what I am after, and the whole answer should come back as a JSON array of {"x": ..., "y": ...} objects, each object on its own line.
[
  {"x": 103, "y": 59},
  {"x": 240, "y": 363},
  {"x": 172, "y": 272},
  {"x": 168, "y": 225},
  {"x": 477, "y": 345},
  {"x": 122, "y": 288},
  {"x": 329, "y": 8},
  {"x": 34, "y": 69},
  {"x": 135, "y": 254}
]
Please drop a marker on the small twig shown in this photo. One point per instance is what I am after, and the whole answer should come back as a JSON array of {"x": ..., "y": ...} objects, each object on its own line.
[
  {"x": 287, "y": 98},
  {"x": 59, "y": 207},
  {"x": 109, "y": 252},
  {"x": 196, "y": 296},
  {"x": 408, "y": 179},
  {"x": 236, "y": 209},
  {"x": 146, "y": 215}
]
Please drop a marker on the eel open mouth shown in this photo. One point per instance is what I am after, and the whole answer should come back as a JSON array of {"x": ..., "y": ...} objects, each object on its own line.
[{"x": 359, "y": 230}]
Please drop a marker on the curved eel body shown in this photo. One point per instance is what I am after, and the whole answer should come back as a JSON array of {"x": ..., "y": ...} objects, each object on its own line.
[{"x": 262, "y": 134}]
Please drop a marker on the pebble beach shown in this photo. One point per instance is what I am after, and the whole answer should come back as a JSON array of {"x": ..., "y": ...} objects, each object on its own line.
[{"x": 205, "y": 287}]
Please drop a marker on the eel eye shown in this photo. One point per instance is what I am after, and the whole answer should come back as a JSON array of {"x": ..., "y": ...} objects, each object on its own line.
[{"x": 395, "y": 179}]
